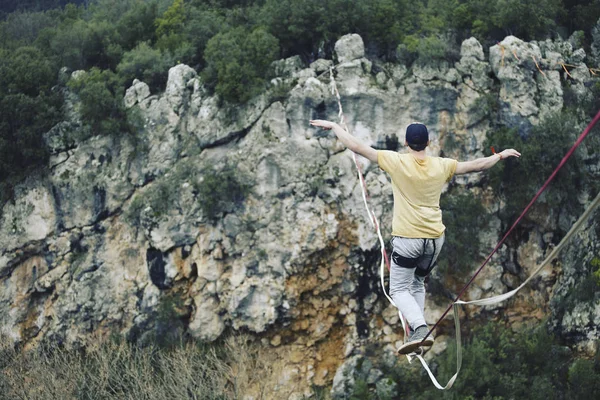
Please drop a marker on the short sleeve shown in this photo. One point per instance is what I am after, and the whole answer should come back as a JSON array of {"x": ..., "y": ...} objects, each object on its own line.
[
  {"x": 449, "y": 167},
  {"x": 387, "y": 160}
]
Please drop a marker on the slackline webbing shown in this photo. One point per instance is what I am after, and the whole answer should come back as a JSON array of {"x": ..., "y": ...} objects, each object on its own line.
[{"x": 457, "y": 301}]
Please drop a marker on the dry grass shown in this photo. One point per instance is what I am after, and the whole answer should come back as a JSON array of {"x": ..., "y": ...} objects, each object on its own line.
[{"x": 116, "y": 369}]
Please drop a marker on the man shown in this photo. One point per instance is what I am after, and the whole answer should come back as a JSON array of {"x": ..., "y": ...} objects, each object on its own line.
[{"x": 417, "y": 228}]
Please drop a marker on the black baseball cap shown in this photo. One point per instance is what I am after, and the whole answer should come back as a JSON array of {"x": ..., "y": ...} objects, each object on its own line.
[{"x": 417, "y": 136}]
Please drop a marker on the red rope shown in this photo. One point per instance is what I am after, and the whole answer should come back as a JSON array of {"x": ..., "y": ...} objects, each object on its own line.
[{"x": 564, "y": 160}]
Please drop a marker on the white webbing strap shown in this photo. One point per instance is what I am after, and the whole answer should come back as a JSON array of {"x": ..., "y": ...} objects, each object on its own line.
[{"x": 458, "y": 355}]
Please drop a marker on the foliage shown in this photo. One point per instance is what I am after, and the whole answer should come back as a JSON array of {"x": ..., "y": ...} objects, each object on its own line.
[
  {"x": 524, "y": 19},
  {"x": 432, "y": 49},
  {"x": 595, "y": 264},
  {"x": 136, "y": 25},
  {"x": 465, "y": 219},
  {"x": 170, "y": 32},
  {"x": 517, "y": 180},
  {"x": 146, "y": 64},
  {"x": 584, "y": 290},
  {"x": 28, "y": 109},
  {"x": 100, "y": 93},
  {"x": 221, "y": 191},
  {"x": 202, "y": 24},
  {"x": 233, "y": 42},
  {"x": 159, "y": 197},
  {"x": 500, "y": 364},
  {"x": 172, "y": 20},
  {"x": 237, "y": 61},
  {"x": 22, "y": 29},
  {"x": 583, "y": 379},
  {"x": 170, "y": 323}
]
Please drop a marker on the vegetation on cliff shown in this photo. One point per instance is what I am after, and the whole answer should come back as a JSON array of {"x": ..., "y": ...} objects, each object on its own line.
[{"x": 231, "y": 41}]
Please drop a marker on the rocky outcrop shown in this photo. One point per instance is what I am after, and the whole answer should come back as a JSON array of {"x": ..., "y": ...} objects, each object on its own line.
[{"x": 219, "y": 217}]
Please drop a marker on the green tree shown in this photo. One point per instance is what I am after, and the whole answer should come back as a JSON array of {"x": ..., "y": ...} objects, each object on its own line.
[
  {"x": 238, "y": 61},
  {"x": 101, "y": 96},
  {"x": 461, "y": 248},
  {"x": 147, "y": 64},
  {"x": 202, "y": 24},
  {"x": 22, "y": 28},
  {"x": 28, "y": 108},
  {"x": 517, "y": 180},
  {"x": 584, "y": 379},
  {"x": 172, "y": 20},
  {"x": 296, "y": 23},
  {"x": 26, "y": 71},
  {"x": 137, "y": 25}
]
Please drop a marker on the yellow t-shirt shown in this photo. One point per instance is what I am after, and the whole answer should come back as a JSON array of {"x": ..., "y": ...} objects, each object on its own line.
[{"x": 417, "y": 186}]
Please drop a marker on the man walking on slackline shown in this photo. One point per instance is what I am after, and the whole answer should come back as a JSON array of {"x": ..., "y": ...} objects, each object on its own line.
[{"x": 417, "y": 229}]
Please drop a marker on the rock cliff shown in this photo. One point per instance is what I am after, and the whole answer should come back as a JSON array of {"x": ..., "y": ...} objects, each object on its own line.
[{"x": 217, "y": 218}]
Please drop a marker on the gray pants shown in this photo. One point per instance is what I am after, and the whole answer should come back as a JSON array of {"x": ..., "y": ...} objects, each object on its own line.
[{"x": 412, "y": 261}]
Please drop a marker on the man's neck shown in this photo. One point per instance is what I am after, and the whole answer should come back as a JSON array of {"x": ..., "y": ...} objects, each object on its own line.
[{"x": 418, "y": 154}]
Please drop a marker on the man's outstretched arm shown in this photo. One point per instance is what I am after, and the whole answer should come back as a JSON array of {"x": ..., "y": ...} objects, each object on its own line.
[
  {"x": 481, "y": 164},
  {"x": 347, "y": 139}
]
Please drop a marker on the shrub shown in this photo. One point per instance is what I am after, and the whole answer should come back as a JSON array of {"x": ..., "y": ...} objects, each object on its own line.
[
  {"x": 22, "y": 28},
  {"x": 172, "y": 20},
  {"x": 160, "y": 197},
  {"x": 238, "y": 62},
  {"x": 201, "y": 26},
  {"x": 23, "y": 121},
  {"x": 221, "y": 191},
  {"x": 501, "y": 364},
  {"x": 146, "y": 64},
  {"x": 517, "y": 180},
  {"x": 101, "y": 102},
  {"x": 584, "y": 379},
  {"x": 595, "y": 263},
  {"x": 465, "y": 218}
]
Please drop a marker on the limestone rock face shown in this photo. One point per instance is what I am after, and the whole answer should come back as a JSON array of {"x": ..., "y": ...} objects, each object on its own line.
[
  {"x": 138, "y": 92},
  {"x": 349, "y": 48},
  {"x": 218, "y": 217},
  {"x": 595, "y": 56},
  {"x": 576, "y": 302}
]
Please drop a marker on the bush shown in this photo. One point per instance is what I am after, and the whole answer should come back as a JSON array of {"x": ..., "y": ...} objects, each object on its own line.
[
  {"x": 219, "y": 192},
  {"x": 298, "y": 25},
  {"x": 137, "y": 25},
  {"x": 22, "y": 28},
  {"x": 465, "y": 218},
  {"x": 237, "y": 61},
  {"x": 101, "y": 102},
  {"x": 146, "y": 64},
  {"x": 201, "y": 26},
  {"x": 501, "y": 364},
  {"x": 160, "y": 197},
  {"x": 172, "y": 20},
  {"x": 494, "y": 20},
  {"x": 517, "y": 180},
  {"x": 584, "y": 379}
]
